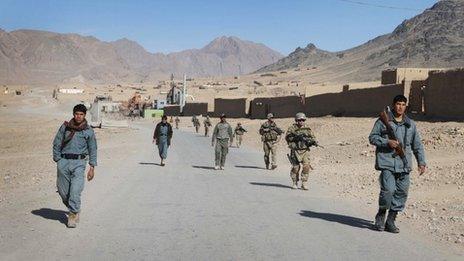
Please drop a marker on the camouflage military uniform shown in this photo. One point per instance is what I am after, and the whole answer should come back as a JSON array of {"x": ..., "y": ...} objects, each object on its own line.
[
  {"x": 270, "y": 135},
  {"x": 207, "y": 124},
  {"x": 196, "y": 123},
  {"x": 299, "y": 140},
  {"x": 239, "y": 131},
  {"x": 222, "y": 134}
]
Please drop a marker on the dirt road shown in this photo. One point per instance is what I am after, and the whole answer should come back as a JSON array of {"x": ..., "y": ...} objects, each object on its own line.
[{"x": 137, "y": 210}]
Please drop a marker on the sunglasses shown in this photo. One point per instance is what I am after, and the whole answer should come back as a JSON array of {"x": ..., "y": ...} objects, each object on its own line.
[{"x": 301, "y": 120}]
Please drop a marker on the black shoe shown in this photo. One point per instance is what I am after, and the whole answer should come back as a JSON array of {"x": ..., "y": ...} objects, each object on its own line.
[
  {"x": 267, "y": 165},
  {"x": 390, "y": 224},
  {"x": 379, "y": 224}
]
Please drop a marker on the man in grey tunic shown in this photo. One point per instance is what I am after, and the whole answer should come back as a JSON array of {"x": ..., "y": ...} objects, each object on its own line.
[
  {"x": 74, "y": 141},
  {"x": 162, "y": 136},
  {"x": 394, "y": 175},
  {"x": 222, "y": 135}
]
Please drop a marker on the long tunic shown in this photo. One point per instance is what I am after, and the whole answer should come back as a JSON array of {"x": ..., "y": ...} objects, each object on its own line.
[{"x": 163, "y": 134}]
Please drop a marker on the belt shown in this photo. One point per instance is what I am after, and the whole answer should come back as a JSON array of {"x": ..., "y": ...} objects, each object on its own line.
[{"x": 73, "y": 156}]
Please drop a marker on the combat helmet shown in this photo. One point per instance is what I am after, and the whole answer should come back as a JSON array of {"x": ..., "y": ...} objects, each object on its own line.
[{"x": 300, "y": 116}]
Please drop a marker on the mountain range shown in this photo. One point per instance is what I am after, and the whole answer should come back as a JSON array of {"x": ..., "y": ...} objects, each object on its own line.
[
  {"x": 434, "y": 39},
  {"x": 31, "y": 56}
]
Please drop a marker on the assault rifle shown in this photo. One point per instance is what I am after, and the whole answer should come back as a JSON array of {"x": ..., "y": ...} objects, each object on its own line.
[
  {"x": 399, "y": 150},
  {"x": 307, "y": 140}
]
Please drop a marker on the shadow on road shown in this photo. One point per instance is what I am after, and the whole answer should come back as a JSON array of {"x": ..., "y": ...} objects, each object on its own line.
[
  {"x": 342, "y": 219},
  {"x": 53, "y": 214},
  {"x": 270, "y": 185},
  {"x": 249, "y": 167},
  {"x": 149, "y": 163},
  {"x": 203, "y": 167}
]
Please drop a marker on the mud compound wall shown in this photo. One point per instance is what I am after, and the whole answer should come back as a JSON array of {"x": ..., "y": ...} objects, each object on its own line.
[
  {"x": 415, "y": 99},
  {"x": 389, "y": 77},
  {"x": 172, "y": 110},
  {"x": 355, "y": 103},
  {"x": 233, "y": 108},
  {"x": 191, "y": 109},
  {"x": 281, "y": 107},
  {"x": 444, "y": 94}
]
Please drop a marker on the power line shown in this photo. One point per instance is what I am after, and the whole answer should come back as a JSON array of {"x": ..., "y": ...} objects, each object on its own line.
[
  {"x": 398, "y": 7},
  {"x": 380, "y": 6}
]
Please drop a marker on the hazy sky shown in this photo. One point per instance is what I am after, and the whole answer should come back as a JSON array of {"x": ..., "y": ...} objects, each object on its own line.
[{"x": 167, "y": 26}]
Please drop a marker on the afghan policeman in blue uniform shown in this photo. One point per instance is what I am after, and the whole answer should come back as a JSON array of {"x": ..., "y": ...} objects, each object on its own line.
[
  {"x": 73, "y": 146},
  {"x": 394, "y": 169}
]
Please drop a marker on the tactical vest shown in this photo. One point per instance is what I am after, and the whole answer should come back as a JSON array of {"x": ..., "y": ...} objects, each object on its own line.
[
  {"x": 270, "y": 135},
  {"x": 300, "y": 144}
]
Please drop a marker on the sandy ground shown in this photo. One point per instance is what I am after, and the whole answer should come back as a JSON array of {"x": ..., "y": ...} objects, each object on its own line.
[{"x": 435, "y": 208}]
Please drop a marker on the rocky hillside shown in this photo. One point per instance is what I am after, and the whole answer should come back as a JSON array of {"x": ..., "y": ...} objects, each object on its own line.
[
  {"x": 435, "y": 38},
  {"x": 29, "y": 56}
]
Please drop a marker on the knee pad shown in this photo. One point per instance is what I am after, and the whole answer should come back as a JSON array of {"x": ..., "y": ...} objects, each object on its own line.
[
  {"x": 295, "y": 169},
  {"x": 306, "y": 168}
]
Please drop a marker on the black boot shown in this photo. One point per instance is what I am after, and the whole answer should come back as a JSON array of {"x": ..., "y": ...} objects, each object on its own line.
[
  {"x": 390, "y": 224},
  {"x": 380, "y": 220}
]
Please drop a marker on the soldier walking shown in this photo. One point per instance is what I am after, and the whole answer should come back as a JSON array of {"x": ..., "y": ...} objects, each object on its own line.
[
  {"x": 401, "y": 137},
  {"x": 74, "y": 141},
  {"x": 270, "y": 136},
  {"x": 196, "y": 123},
  {"x": 207, "y": 124},
  {"x": 300, "y": 138},
  {"x": 177, "y": 120},
  {"x": 239, "y": 131},
  {"x": 222, "y": 135}
]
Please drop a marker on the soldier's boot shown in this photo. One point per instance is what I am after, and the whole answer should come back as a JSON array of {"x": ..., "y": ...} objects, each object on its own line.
[
  {"x": 274, "y": 166},
  {"x": 304, "y": 185},
  {"x": 73, "y": 219},
  {"x": 390, "y": 224},
  {"x": 379, "y": 224},
  {"x": 216, "y": 167},
  {"x": 295, "y": 184}
]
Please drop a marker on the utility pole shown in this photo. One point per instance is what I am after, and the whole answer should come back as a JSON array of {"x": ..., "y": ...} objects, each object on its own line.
[{"x": 184, "y": 94}]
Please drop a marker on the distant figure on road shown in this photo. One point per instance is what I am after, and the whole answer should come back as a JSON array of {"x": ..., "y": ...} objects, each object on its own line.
[
  {"x": 196, "y": 123},
  {"x": 270, "y": 136},
  {"x": 300, "y": 138},
  {"x": 74, "y": 141},
  {"x": 239, "y": 131},
  {"x": 171, "y": 120},
  {"x": 162, "y": 136},
  {"x": 397, "y": 136},
  {"x": 222, "y": 134},
  {"x": 207, "y": 124},
  {"x": 177, "y": 120}
]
